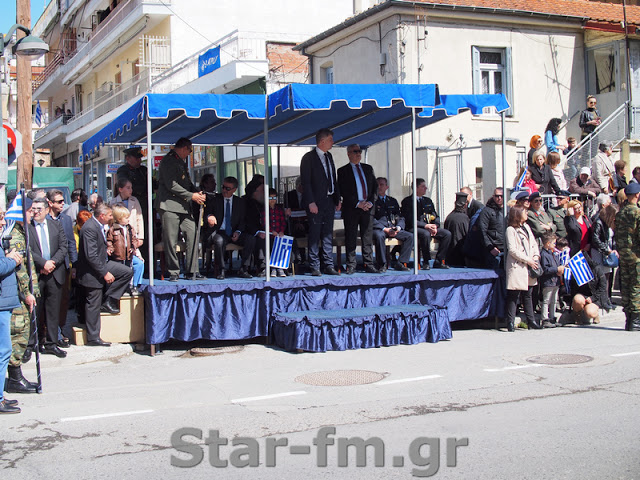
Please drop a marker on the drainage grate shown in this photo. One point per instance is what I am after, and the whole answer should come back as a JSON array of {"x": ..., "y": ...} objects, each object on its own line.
[
  {"x": 340, "y": 378},
  {"x": 560, "y": 359},
  {"x": 204, "y": 352}
]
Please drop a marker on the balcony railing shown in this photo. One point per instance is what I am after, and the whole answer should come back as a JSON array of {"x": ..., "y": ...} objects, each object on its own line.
[
  {"x": 69, "y": 56},
  {"x": 120, "y": 95},
  {"x": 233, "y": 47}
]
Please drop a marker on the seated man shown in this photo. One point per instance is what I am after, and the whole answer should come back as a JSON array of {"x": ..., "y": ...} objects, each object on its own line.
[
  {"x": 226, "y": 215},
  {"x": 428, "y": 223},
  {"x": 583, "y": 184},
  {"x": 104, "y": 281},
  {"x": 388, "y": 223}
]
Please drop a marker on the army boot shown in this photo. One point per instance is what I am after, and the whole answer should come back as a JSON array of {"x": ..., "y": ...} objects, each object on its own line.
[{"x": 16, "y": 383}]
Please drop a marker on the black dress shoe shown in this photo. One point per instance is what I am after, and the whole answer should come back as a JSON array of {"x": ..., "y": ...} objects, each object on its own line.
[
  {"x": 64, "y": 343},
  {"x": 54, "y": 350},
  {"x": 196, "y": 276},
  {"x": 438, "y": 264},
  {"x": 382, "y": 269},
  {"x": 107, "y": 307},
  {"x": 174, "y": 278},
  {"x": 316, "y": 273},
  {"x": 134, "y": 291},
  {"x": 6, "y": 408},
  {"x": 242, "y": 273},
  {"x": 371, "y": 269},
  {"x": 426, "y": 266},
  {"x": 98, "y": 343},
  {"x": 27, "y": 355},
  {"x": 11, "y": 403},
  {"x": 220, "y": 276},
  {"x": 350, "y": 270},
  {"x": 401, "y": 268},
  {"x": 331, "y": 271}
]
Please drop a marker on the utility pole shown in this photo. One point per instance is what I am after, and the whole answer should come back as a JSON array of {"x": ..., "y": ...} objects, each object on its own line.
[{"x": 24, "y": 101}]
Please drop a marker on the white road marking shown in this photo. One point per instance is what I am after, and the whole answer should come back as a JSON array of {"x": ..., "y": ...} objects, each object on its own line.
[
  {"x": 624, "y": 354},
  {"x": 105, "y": 415},
  {"x": 405, "y": 380},
  {"x": 514, "y": 367},
  {"x": 268, "y": 397}
]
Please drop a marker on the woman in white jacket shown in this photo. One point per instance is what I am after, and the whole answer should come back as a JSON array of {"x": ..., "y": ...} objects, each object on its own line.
[
  {"x": 522, "y": 252},
  {"x": 125, "y": 198}
]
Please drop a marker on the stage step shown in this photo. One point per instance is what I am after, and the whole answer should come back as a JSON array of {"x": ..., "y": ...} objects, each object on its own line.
[
  {"x": 124, "y": 327},
  {"x": 348, "y": 329}
]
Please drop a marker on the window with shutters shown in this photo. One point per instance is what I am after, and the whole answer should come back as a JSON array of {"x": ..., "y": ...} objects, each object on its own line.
[{"x": 492, "y": 73}]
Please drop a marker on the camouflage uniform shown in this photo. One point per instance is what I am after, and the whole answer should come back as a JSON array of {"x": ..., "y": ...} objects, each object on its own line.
[
  {"x": 628, "y": 243},
  {"x": 20, "y": 318}
]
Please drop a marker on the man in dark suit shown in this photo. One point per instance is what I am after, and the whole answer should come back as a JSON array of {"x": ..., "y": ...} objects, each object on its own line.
[
  {"x": 428, "y": 223},
  {"x": 473, "y": 205},
  {"x": 56, "y": 204},
  {"x": 226, "y": 216},
  {"x": 388, "y": 223},
  {"x": 104, "y": 280},
  {"x": 49, "y": 247},
  {"x": 321, "y": 199},
  {"x": 359, "y": 189}
]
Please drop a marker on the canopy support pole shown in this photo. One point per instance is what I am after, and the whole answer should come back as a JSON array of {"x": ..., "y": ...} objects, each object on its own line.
[
  {"x": 152, "y": 266},
  {"x": 416, "y": 245},
  {"x": 267, "y": 184}
]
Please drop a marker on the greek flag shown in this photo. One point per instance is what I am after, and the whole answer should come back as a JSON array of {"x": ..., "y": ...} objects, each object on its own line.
[
  {"x": 580, "y": 269},
  {"x": 518, "y": 186},
  {"x": 14, "y": 213},
  {"x": 38, "y": 118},
  {"x": 566, "y": 276},
  {"x": 281, "y": 252},
  {"x": 564, "y": 256}
]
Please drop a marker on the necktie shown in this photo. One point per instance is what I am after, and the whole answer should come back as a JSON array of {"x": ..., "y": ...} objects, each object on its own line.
[
  {"x": 329, "y": 171},
  {"x": 227, "y": 217},
  {"x": 363, "y": 184},
  {"x": 44, "y": 244}
]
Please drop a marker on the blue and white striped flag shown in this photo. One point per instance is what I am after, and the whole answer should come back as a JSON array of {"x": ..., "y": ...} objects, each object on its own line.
[
  {"x": 38, "y": 118},
  {"x": 567, "y": 280},
  {"x": 580, "y": 269},
  {"x": 564, "y": 256},
  {"x": 13, "y": 215},
  {"x": 281, "y": 252},
  {"x": 518, "y": 186}
]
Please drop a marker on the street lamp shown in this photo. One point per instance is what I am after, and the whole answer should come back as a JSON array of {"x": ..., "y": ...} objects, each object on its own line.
[{"x": 32, "y": 48}]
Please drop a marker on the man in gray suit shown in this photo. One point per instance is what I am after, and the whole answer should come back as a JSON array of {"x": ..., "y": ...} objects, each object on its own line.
[
  {"x": 176, "y": 191},
  {"x": 321, "y": 199}
]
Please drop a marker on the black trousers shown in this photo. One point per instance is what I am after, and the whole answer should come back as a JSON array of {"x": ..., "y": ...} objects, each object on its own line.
[
  {"x": 47, "y": 311},
  {"x": 95, "y": 296},
  {"x": 220, "y": 239},
  {"x": 354, "y": 219},
  {"x": 321, "y": 236},
  {"x": 444, "y": 238}
]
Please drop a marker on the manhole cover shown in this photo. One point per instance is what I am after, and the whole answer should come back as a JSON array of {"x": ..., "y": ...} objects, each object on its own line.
[
  {"x": 560, "y": 359},
  {"x": 203, "y": 352},
  {"x": 340, "y": 378}
]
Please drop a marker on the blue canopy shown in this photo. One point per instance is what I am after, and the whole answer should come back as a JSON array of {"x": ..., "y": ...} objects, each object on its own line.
[{"x": 364, "y": 114}]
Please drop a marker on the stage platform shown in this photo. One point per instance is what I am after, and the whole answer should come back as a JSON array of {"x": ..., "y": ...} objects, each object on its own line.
[{"x": 235, "y": 309}]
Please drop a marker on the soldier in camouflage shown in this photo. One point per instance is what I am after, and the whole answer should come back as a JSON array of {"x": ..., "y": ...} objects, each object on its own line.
[
  {"x": 21, "y": 318},
  {"x": 628, "y": 242}
]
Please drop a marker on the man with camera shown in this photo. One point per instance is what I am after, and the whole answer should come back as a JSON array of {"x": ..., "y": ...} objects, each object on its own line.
[{"x": 389, "y": 223}]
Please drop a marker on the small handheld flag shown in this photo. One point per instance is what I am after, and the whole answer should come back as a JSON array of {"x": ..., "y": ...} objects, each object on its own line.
[
  {"x": 281, "y": 252},
  {"x": 580, "y": 269}
]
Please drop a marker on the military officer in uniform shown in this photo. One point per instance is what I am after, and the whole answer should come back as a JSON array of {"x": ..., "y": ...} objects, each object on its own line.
[
  {"x": 176, "y": 191},
  {"x": 21, "y": 316},
  {"x": 136, "y": 173},
  {"x": 388, "y": 223},
  {"x": 428, "y": 223},
  {"x": 628, "y": 242}
]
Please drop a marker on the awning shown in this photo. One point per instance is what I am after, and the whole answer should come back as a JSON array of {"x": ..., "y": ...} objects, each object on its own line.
[{"x": 364, "y": 114}]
